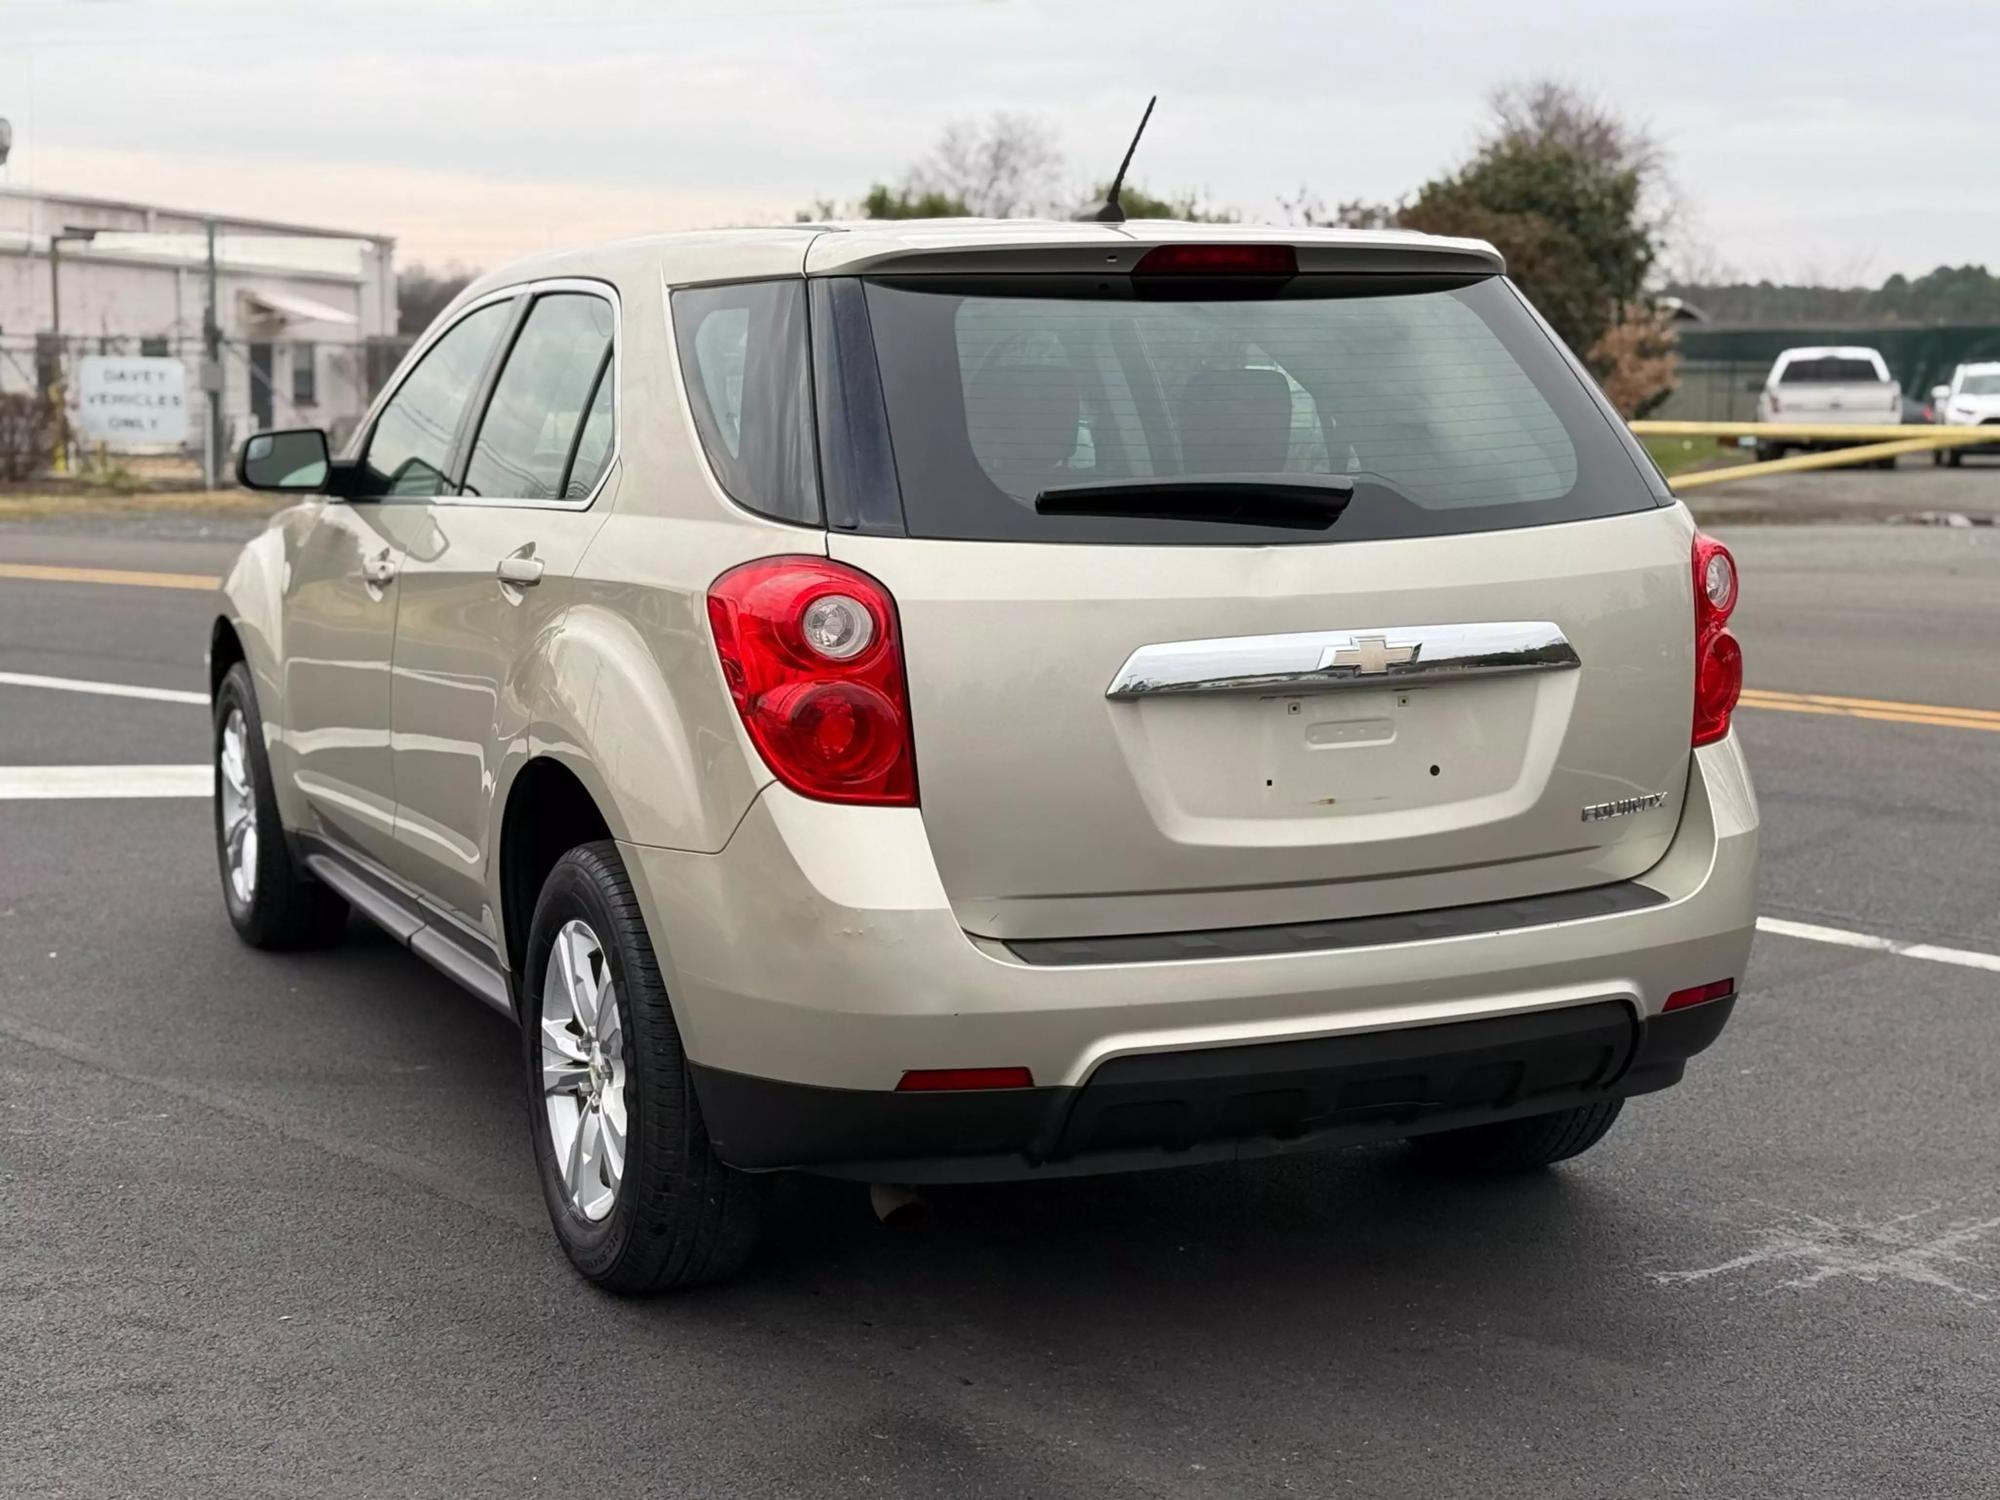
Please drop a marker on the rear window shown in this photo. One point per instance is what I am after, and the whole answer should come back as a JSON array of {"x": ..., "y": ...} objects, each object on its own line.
[
  {"x": 1830, "y": 369},
  {"x": 1446, "y": 404}
]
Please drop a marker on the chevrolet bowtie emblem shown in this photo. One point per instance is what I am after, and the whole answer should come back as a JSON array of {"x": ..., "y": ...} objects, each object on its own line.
[{"x": 1370, "y": 655}]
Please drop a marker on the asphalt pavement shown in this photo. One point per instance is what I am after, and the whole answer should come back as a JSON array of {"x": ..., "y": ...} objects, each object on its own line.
[
  {"x": 1917, "y": 488},
  {"x": 269, "y": 1224}
]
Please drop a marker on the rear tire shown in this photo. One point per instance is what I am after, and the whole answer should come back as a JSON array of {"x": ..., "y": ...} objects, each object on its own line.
[
  {"x": 1519, "y": 1145},
  {"x": 272, "y": 902},
  {"x": 1885, "y": 463},
  {"x": 1955, "y": 458},
  {"x": 1770, "y": 452},
  {"x": 639, "y": 1200}
]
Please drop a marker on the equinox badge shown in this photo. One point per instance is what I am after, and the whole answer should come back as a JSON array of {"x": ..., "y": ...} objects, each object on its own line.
[{"x": 1624, "y": 807}]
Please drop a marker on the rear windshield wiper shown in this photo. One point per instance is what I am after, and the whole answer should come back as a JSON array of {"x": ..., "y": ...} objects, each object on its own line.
[{"x": 1308, "y": 502}]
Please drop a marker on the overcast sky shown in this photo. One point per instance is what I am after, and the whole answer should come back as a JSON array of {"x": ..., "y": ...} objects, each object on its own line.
[{"x": 1830, "y": 141}]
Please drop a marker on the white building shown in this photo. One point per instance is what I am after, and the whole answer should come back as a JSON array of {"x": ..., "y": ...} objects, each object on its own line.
[{"x": 307, "y": 316}]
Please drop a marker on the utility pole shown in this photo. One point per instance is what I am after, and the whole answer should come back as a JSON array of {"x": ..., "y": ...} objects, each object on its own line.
[
  {"x": 57, "y": 399},
  {"x": 211, "y": 377},
  {"x": 59, "y": 460}
]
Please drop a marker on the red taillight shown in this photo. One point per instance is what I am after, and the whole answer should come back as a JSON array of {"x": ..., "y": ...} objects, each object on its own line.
[
  {"x": 1701, "y": 994},
  {"x": 813, "y": 657},
  {"x": 1218, "y": 260},
  {"x": 953, "y": 1080},
  {"x": 1718, "y": 659}
]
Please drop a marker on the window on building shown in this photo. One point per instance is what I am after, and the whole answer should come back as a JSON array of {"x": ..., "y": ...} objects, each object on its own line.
[
  {"x": 155, "y": 348},
  {"x": 305, "y": 374},
  {"x": 528, "y": 436},
  {"x": 48, "y": 361}
]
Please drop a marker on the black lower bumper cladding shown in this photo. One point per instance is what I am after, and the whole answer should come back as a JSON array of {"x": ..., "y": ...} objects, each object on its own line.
[{"x": 1212, "y": 1104}]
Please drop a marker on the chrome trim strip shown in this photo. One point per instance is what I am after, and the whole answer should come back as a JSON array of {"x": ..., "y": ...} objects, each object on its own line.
[{"x": 1319, "y": 661}]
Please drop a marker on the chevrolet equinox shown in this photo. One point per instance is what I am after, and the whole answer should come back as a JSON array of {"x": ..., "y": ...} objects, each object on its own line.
[{"x": 949, "y": 702}]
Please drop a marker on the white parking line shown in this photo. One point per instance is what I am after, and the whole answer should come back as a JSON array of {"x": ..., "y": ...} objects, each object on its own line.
[
  {"x": 1845, "y": 939},
  {"x": 45, "y": 782},
  {"x": 19, "y": 783},
  {"x": 103, "y": 689}
]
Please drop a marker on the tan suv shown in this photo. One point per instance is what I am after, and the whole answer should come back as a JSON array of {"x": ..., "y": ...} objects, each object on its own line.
[{"x": 946, "y": 702}]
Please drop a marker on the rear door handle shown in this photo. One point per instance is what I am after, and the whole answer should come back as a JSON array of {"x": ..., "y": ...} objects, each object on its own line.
[
  {"x": 379, "y": 570},
  {"x": 519, "y": 571}
]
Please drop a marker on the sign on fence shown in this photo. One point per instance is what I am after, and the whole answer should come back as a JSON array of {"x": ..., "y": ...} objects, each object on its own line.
[{"x": 130, "y": 401}]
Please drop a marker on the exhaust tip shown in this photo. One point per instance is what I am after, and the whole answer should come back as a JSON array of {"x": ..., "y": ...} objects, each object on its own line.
[{"x": 897, "y": 1206}]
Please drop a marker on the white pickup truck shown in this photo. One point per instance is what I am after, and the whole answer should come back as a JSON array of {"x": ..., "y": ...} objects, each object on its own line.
[{"x": 1828, "y": 387}]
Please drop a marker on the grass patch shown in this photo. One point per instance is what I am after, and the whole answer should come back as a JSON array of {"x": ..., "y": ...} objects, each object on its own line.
[{"x": 1678, "y": 455}]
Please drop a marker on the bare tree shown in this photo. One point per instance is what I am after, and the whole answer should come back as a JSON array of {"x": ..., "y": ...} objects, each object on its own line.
[
  {"x": 1554, "y": 114},
  {"x": 1313, "y": 211},
  {"x": 999, "y": 168},
  {"x": 1549, "y": 112},
  {"x": 422, "y": 293}
]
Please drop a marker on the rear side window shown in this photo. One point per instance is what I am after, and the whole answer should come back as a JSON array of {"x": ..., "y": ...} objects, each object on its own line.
[
  {"x": 1445, "y": 403},
  {"x": 529, "y": 436},
  {"x": 744, "y": 361},
  {"x": 1830, "y": 369},
  {"x": 593, "y": 444}
]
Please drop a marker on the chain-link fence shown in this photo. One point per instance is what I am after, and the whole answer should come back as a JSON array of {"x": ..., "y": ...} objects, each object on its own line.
[
  {"x": 1723, "y": 369},
  {"x": 265, "y": 383}
]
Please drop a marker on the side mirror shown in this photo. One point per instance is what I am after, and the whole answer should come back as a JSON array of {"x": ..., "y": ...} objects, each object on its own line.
[
  {"x": 296, "y": 462},
  {"x": 1940, "y": 393}
]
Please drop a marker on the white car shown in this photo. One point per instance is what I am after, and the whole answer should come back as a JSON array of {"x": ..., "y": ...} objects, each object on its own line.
[
  {"x": 1844, "y": 386},
  {"x": 1971, "y": 400}
]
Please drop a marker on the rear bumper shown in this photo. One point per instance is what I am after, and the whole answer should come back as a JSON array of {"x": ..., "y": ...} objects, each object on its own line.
[
  {"x": 1215, "y": 1104},
  {"x": 819, "y": 949}
]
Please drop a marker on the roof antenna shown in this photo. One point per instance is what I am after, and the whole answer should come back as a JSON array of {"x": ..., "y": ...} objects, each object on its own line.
[{"x": 1109, "y": 211}]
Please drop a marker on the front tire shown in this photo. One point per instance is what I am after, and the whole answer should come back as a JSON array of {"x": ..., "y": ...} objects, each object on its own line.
[
  {"x": 1519, "y": 1145},
  {"x": 272, "y": 903},
  {"x": 639, "y": 1200}
]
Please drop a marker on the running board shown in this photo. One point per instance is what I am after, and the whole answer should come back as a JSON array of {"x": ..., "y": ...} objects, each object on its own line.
[{"x": 441, "y": 940}]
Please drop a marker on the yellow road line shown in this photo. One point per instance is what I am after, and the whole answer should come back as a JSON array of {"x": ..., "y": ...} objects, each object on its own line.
[
  {"x": 1882, "y": 710},
  {"x": 1834, "y": 700},
  {"x": 128, "y": 577}
]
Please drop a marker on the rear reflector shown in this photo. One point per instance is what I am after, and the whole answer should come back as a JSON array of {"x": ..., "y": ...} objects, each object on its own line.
[
  {"x": 1218, "y": 260},
  {"x": 947, "y": 1080},
  {"x": 1722, "y": 989}
]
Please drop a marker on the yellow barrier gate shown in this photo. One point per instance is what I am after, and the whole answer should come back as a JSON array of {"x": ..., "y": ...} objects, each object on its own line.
[{"x": 1869, "y": 445}]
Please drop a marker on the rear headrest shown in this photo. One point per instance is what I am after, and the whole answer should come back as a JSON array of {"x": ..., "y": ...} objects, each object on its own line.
[
  {"x": 1236, "y": 422},
  {"x": 1022, "y": 415}
]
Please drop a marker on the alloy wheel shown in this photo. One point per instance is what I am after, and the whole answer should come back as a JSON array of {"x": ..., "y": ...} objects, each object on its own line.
[
  {"x": 583, "y": 1070},
  {"x": 239, "y": 809}
]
